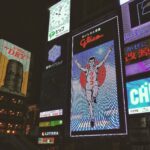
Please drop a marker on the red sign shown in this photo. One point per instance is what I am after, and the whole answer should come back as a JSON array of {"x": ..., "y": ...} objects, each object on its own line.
[
  {"x": 90, "y": 39},
  {"x": 16, "y": 52},
  {"x": 138, "y": 54}
]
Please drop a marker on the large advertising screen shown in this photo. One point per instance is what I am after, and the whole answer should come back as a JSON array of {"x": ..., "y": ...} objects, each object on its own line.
[
  {"x": 138, "y": 94},
  {"x": 14, "y": 68},
  {"x": 137, "y": 57},
  {"x": 136, "y": 19},
  {"x": 97, "y": 96}
]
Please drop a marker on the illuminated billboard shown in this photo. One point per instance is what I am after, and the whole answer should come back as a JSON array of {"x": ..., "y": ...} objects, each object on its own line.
[
  {"x": 137, "y": 57},
  {"x": 51, "y": 113},
  {"x": 50, "y": 133},
  {"x": 59, "y": 21},
  {"x": 51, "y": 123},
  {"x": 56, "y": 53},
  {"x": 138, "y": 94},
  {"x": 97, "y": 96},
  {"x": 123, "y": 1},
  {"x": 136, "y": 19},
  {"x": 48, "y": 140},
  {"x": 14, "y": 66}
]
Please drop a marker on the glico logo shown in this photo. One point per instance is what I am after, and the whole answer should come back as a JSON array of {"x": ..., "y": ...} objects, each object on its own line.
[
  {"x": 141, "y": 94},
  {"x": 90, "y": 39}
]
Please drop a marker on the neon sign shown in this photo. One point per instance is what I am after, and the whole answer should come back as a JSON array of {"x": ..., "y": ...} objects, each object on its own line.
[
  {"x": 51, "y": 113},
  {"x": 138, "y": 93},
  {"x": 90, "y": 39},
  {"x": 137, "y": 57},
  {"x": 49, "y": 140},
  {"x": 51, "y": 123},
  {"x": 53, "y": 133}
]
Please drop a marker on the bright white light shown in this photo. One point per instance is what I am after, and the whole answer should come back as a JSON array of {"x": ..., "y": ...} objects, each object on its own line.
[
  {"x": 123, "y": 1},
  {"x": 100, "y": 51},
  {"x": 51, "y": 113}
]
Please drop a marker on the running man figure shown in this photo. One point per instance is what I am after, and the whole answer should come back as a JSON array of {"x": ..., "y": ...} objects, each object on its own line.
[{"x": 91, "y": 89}]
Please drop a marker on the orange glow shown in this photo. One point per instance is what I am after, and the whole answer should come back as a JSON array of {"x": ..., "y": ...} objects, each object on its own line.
[
  {"x": 8, "y": 131},
  {"x": 1, "y": 98},
  {"x": 13, "y": 132}
]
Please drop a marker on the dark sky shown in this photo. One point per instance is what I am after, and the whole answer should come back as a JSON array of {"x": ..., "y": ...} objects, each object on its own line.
[
  {"x": 25, "y": 23},
  {"x": 22, "y": 22}
]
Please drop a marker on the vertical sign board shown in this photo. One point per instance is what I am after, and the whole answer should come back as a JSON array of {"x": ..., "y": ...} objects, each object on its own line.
[
  {"x": 97, "y": 86},
  {"x": 53, "y": 88},
  {"x": 14, "y": 68},
  {"x": 59, "y": 22}
]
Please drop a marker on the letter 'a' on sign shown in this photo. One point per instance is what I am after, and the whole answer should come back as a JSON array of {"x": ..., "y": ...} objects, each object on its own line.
[
  {"x": 14, "y": 68},
  {"x": 97, "y": 81}
]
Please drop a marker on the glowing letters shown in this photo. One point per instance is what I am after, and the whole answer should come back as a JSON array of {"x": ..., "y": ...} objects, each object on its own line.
[
  {"x": 51, "y": 113},
  {"x": 54, "y": 133},
  {"x": 140, "y": 95},
  {"x": 51, "y": 123}
]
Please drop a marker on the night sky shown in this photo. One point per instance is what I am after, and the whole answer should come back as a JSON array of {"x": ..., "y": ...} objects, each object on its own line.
[{"x": 25, "y": 24}]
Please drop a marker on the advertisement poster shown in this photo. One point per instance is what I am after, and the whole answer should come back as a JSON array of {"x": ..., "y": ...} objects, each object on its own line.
[
  {"x": 137, "y": 57},
  {"x": 14, "y": 68},
  {"x": 138, "y": 94},
  {"x": 97, "y": 96},
  {"x": 59, "y": 21}
]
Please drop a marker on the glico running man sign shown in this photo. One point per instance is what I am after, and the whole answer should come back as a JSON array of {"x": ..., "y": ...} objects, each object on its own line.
[{"x": 97, "y": 84}]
